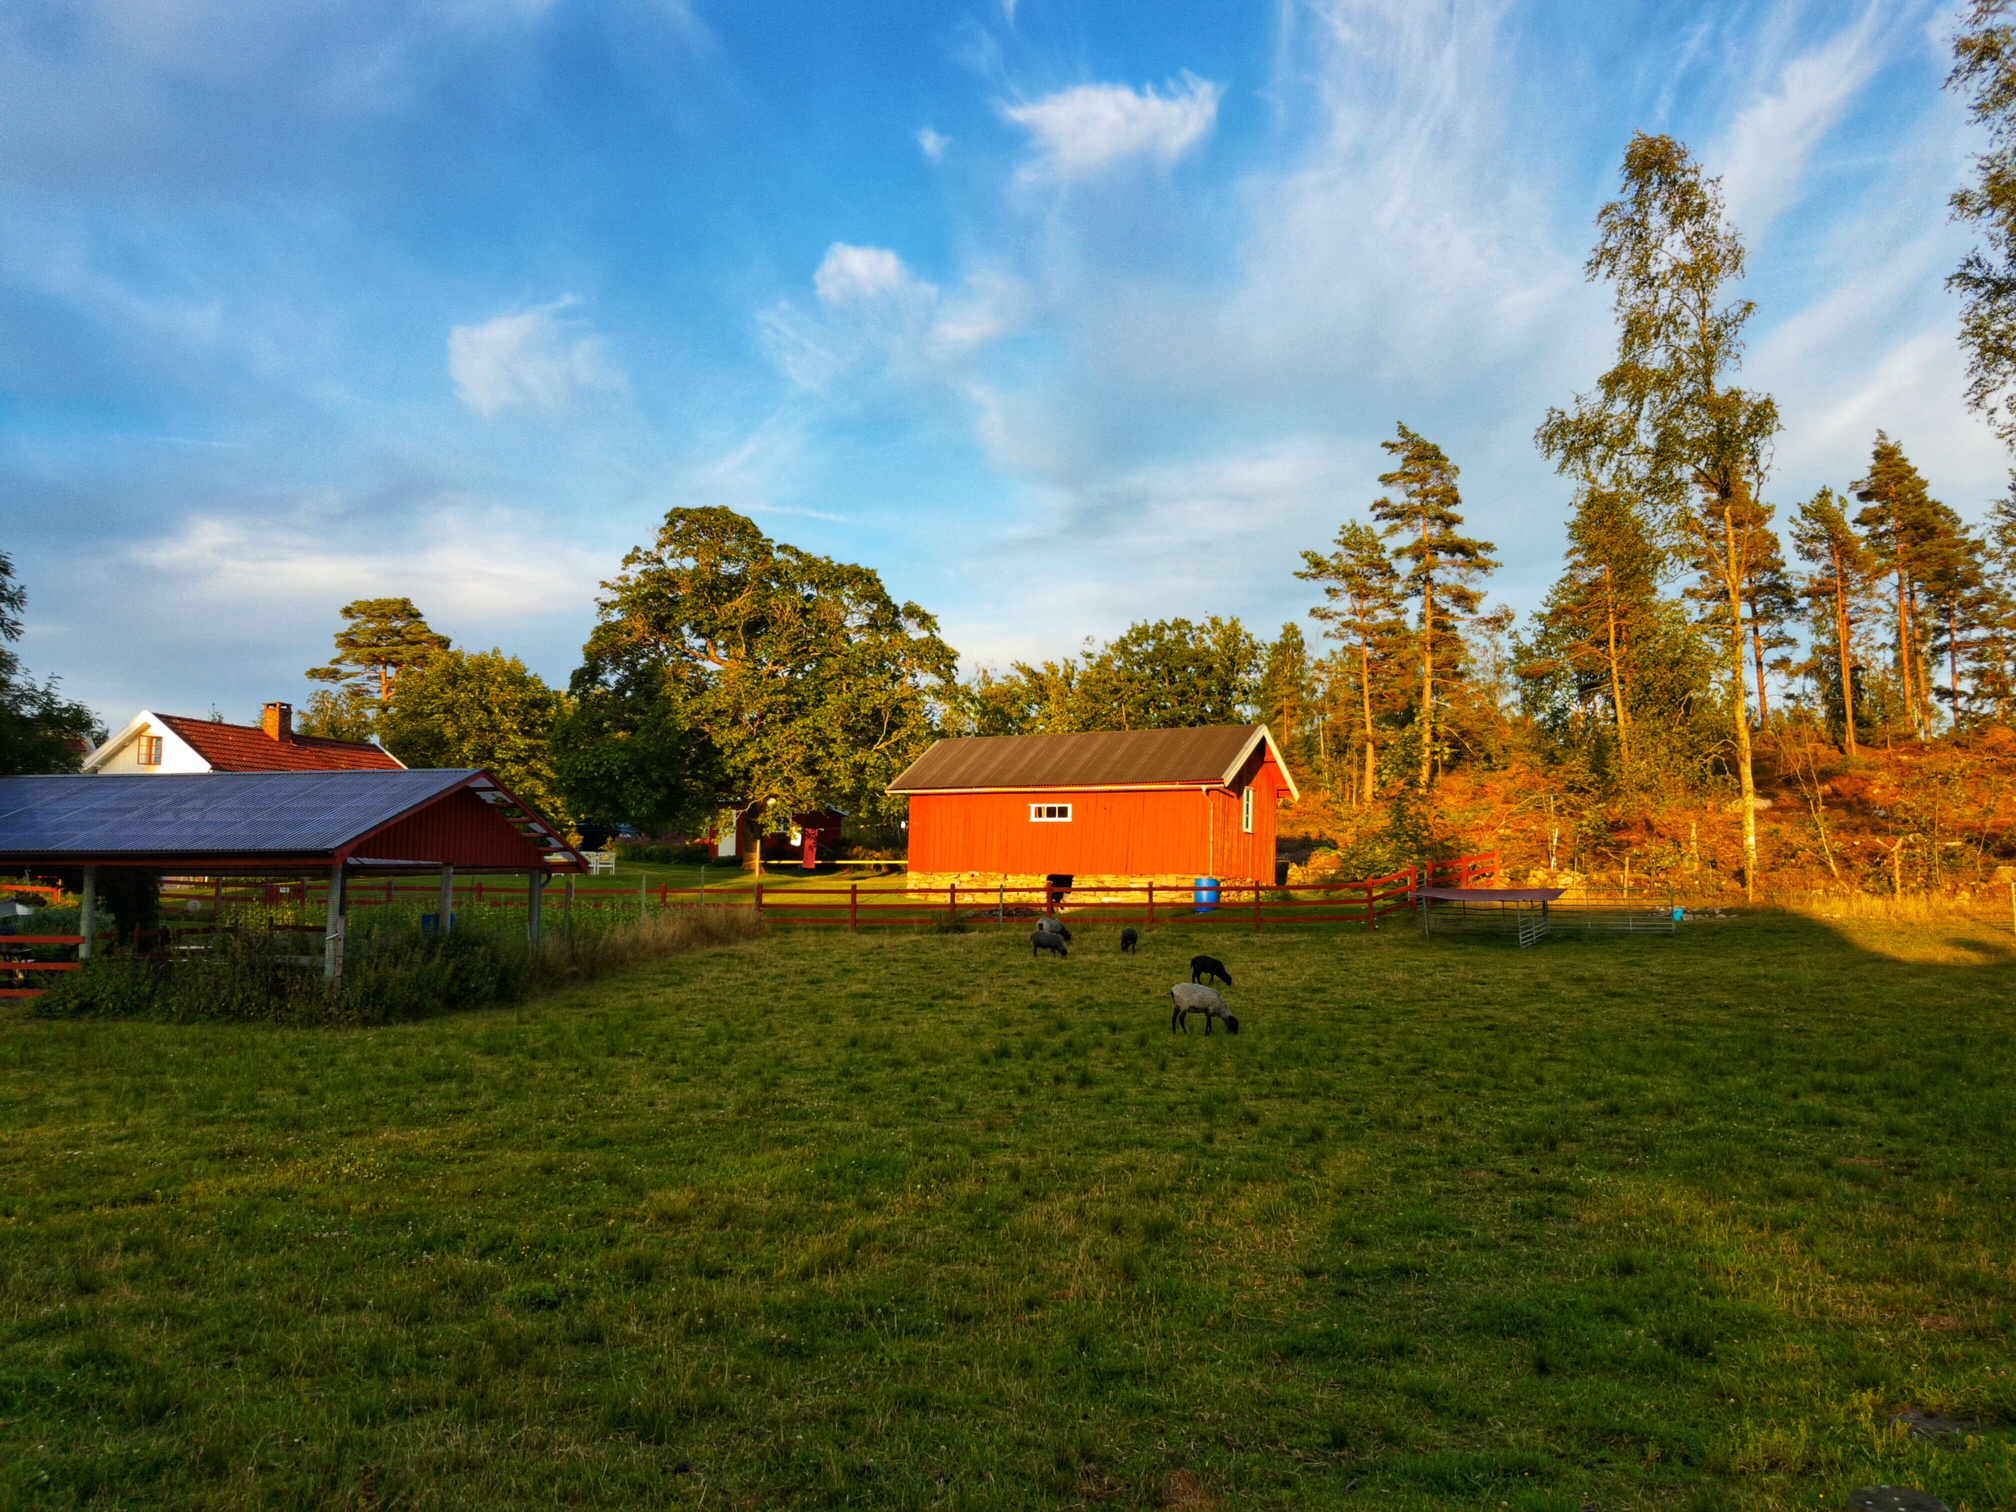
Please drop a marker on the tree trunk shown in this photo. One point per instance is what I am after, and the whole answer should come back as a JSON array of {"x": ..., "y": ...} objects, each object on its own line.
[
  {"x": 1905, "y": 661},
  {"x": 1757, "y": 654},
  {"x": 1953, "y": 656},
  {"x": 1427, "y": 683},
  {"x": 1616, "y": 676},
  {"x": 1732, "y": 578},
  {"x": 1365, "y": 689},
  {"x": 1843, "y": 639}
]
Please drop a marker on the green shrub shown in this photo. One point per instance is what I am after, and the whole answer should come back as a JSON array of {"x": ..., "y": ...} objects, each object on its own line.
[
  {"x": 660, "y": 854},
  {"x": 391, "y": 971}
]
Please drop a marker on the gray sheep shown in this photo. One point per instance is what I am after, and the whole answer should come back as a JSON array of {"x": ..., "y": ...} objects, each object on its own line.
[
  {"x": 1056, "y": 927},
  {"x": 1044, "y": 940},
  {"x": 1190, "y": 998}
]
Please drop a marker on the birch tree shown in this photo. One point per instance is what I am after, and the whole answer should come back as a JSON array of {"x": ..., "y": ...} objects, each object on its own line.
[{"x": 1667, "y": 419}]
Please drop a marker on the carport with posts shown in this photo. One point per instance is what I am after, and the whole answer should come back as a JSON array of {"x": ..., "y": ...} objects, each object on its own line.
[{"x": 332, "y": 827}]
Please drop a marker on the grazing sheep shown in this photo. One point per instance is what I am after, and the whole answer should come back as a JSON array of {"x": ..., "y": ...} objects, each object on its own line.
[
  {"x": 1044, "y": 940},
  {"x": 1203, "y": 968},
  {"x": 1129, "y": 938},
  {"x": 1056, "y": 927},
  {"x": 1190, "y": 998}
]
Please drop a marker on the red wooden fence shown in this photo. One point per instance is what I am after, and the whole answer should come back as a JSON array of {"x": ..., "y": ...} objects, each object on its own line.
[
  {"x": 6, "y": 966},
  {"x": 1257, "y": 905}
]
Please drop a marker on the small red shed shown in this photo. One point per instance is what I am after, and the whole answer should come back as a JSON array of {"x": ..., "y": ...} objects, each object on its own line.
[{"x": 1110, "y": 806}]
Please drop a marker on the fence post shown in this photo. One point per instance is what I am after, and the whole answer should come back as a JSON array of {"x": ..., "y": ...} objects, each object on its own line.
[
  {"x": 853, "y": 908},
  {"x": 87, "y": 912},
  {"x": 1001, "y": 900},
  {"x": 1256, "y": 907},
  {"x": 1151, "y": 902},
  {"x": 952, "y": 902},
  {"x": 759, "y": 897}
]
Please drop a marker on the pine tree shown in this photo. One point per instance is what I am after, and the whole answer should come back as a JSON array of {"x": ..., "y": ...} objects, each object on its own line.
[
  {"x": 1363, "y": 611},
  {"x": 1841, "y": 571},
  {"x": 1903, "y": 525},
  {"x": 1597, "y": 610},
  {"x": 1665, "y": 420},
  {"x": 1287, "y": 694},
  {"x": 1425, "y": 517},
  {"x": 380, "y": 639}
]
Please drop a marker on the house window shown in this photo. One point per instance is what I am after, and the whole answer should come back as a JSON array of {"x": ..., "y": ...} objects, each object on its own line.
[
  {"x": 150, "y": 750},
  {"x": 1246, "y": 811},
  {"x": 1050, "y": 813}
]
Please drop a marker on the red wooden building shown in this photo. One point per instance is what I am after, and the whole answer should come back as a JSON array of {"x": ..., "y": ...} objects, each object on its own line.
[{"x": 1115, "y": 806}]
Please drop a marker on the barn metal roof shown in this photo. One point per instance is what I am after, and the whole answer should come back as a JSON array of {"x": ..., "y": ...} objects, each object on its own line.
[
  {"x": 1210, "y": 755},
  {"x": 187, "y": 819}
]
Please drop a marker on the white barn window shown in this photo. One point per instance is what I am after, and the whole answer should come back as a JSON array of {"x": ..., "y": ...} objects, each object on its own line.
[
  {"x": 1050, "y": 813},
  {"x": 1246, "y": 811}
]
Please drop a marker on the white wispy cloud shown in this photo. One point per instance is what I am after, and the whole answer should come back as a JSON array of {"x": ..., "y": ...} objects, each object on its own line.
[
  {"x": 1082, "y": 131},
  {"x": 466, "y": 563},
  {"x": 1764, "y": 155},
  {"x": 932, "y": 144},
  {"x": 537, "y": 359}
]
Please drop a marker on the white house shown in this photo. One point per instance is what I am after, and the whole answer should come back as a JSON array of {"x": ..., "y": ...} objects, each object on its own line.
[{"x": 169, "y": 744}]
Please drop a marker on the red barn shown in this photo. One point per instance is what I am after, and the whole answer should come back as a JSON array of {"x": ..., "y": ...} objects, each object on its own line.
[{"x": 1113, "y": 807}]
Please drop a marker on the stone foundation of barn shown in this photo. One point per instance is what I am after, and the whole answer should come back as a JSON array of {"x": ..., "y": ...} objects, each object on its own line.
[{"x": 1026, "y": 891}]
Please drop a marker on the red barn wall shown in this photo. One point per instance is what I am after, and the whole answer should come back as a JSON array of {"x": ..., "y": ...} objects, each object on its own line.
[
  {"x": 460, "y": 829},
  {"x": 1124, "y": 832}
]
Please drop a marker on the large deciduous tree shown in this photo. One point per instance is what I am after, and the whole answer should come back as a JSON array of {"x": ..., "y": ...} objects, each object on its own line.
[
  {"x": 1170, "y": 674},
  {"x": 1361, "y": 589},
  {"x": 478, "y": 709},
  {"x": 380, "y": 639},
  {"x": 1424, "y": 513},
  {"x": 1666, "y": 420},
  {"x": 808, "y": 683},
  {"x": 40, "y": 730}
]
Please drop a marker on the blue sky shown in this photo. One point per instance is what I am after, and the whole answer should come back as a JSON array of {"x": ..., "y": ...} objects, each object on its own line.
[{"x": 1060, "y": 315}]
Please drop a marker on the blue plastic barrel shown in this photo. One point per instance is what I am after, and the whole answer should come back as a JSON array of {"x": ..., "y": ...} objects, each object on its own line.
[{"x": 1205, "y": 894}]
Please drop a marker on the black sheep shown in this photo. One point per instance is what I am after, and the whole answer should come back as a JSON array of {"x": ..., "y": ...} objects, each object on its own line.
[
  {"x": 1204, "y": 968},
  {"x": 1128, "y": 940},
  {"x": 1044, "y": 940}
]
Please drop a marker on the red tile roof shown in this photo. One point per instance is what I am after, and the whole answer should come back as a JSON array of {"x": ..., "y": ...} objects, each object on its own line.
[{"x": 247, "y": 748}]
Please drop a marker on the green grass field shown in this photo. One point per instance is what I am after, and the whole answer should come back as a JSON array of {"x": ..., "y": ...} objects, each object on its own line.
[{"x": 916, "y": 1221}]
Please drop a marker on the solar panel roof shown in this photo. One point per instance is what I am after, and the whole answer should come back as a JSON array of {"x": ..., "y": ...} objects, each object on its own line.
[{"x": 212, "y": 813}]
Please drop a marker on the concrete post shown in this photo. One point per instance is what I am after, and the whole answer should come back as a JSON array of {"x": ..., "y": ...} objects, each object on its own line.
[
  {"x": 332, "y": 929},
  {"x": 446, "y": 917},
  {"x": 87, "y": 913},
  {"x": 535, "y": 893}
]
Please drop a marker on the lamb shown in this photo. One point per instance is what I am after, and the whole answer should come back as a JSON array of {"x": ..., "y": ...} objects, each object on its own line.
[
  {"x": 1044, "y": 940},
  {"x": 1129, "y": 938},
  {"x": 1190, "y": 998},
  {"x": 1203, "y": 968},
  {"x": 1056, "y": 927}
]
